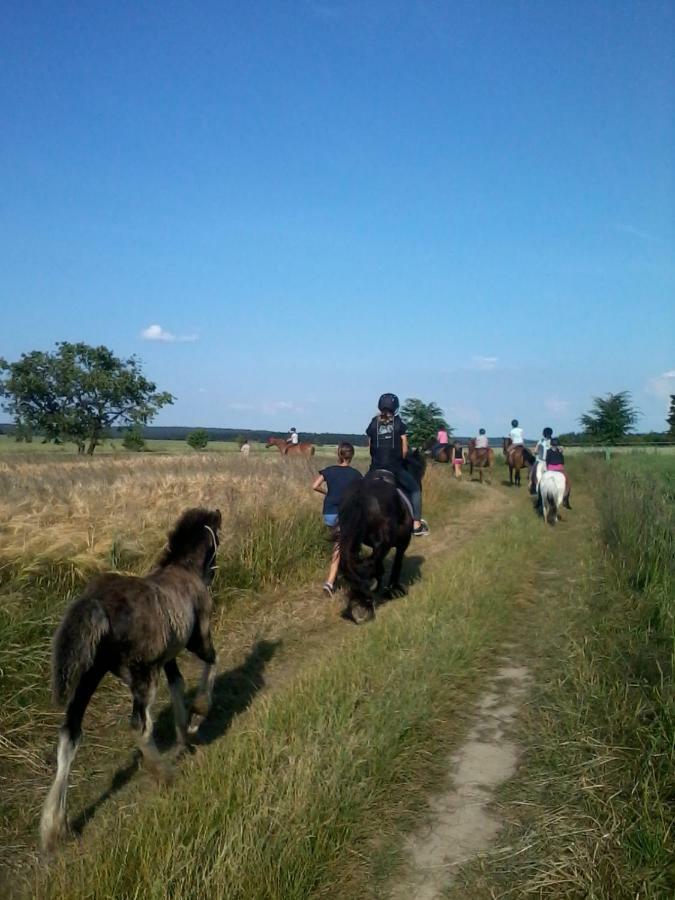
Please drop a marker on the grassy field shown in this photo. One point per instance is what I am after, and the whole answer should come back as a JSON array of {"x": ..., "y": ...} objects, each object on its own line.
[{"x": 326, "y": 739}]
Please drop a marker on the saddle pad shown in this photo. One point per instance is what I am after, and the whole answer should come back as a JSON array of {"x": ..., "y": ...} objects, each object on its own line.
[{"x": 406, "y": 500}]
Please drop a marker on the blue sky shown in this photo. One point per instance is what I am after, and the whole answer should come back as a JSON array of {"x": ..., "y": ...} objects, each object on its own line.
[{"x": 303, "y": 204}]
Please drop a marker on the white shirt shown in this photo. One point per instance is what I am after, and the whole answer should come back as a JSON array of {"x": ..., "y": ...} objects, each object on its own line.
[
  {"x": 294, "y": 437},
  {"x": 516, "y": 435},
  {"x": 482, "y": 442}
]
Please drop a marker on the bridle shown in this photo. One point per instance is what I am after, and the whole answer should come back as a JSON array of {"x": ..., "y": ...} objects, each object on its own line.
[{"x": 212, "y": 567}]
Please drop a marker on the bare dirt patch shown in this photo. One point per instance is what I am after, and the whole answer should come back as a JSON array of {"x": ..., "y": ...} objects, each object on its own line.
[{"x": 462, "y": 821}]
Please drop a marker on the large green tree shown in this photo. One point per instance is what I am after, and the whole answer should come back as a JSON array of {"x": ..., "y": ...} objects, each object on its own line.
[
  {"x": 671, "y": 415},
  {"x": 423, "y": 421},
  {"x": 610, "y": 419},
  {"x": 77, "y": 393}
]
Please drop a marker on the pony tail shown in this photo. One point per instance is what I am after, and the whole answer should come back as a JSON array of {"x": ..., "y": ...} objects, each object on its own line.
[
  {"x": 353, "y": 523},
  {"x": 75, "y": 646}
]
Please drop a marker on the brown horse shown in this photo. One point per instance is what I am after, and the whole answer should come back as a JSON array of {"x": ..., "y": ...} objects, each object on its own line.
[
  {"x": 304, "y": 448},
  {"x": 517, "y": 457},
  {"x": 481, "y": 458}
]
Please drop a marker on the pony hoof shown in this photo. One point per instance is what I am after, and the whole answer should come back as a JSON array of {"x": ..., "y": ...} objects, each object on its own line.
[
  {"x": 362, "y": 614},
  {"x": 52, "y": 838},
  {"x": 161, "y": 772}
]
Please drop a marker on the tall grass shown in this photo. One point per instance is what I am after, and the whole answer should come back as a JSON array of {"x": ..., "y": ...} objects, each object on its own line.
[
  {"x": 61, "y": 521},
  {"x": 596, "y": 803}
]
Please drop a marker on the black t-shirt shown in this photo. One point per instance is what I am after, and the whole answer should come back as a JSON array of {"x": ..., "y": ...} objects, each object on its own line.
[
  {"x": 338, "y": 479},
  {"x": 386, "y": 449},
  {"x": 555, "y": 457},
  {"x": 457, "y": 453}
]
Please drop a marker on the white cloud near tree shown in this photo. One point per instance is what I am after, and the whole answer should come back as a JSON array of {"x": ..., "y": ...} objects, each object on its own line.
[
  {"x": 157, "y": 333},
  {"x": 663, "y": 385}
]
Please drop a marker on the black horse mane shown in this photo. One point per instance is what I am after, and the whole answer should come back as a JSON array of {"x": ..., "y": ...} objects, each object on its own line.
[
  {"x": 416, "y": 464},
  {"x": 188, "y": 533}
]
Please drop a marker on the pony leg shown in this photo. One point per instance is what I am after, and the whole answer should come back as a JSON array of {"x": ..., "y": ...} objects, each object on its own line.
[
  {"x": 144, "y": 689},
  {"x": 202, "y": 702},
  {"x": 177, "y": 690},
  {"x": 395, "y": 585},
  {"x": 54, "y": 823}
]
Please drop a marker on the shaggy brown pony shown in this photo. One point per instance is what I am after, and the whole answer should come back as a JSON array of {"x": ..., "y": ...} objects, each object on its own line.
[
  {"x": 517, "y": 457},
  {"x": 134, "y": 627},
  {"x": 480, "y": 458}
]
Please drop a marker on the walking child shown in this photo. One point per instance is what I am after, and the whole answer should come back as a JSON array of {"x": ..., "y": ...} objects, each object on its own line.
[
  {"x": 336, "y": 480},
  {"x": 457, "y": 458}
]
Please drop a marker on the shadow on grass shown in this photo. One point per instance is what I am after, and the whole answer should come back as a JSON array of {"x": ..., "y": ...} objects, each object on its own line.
[{"x": 233, "y": 692}]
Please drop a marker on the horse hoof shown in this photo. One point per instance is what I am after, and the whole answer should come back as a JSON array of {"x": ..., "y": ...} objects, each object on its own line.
[{"x": 362, "y": 614}]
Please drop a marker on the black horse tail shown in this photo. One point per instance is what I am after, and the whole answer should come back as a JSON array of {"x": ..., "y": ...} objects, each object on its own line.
[
  {"x": 528, "y": 456},
  {"x": 75, "y": 646},
  {"x": 353, "y": 529}
]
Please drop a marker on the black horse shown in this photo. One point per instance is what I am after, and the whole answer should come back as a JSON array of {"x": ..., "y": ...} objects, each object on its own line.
[{"x": 374, "y": 513}]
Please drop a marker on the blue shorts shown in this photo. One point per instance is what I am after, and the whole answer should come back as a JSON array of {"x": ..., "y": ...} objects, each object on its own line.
[{"x": 330, "y": 519}]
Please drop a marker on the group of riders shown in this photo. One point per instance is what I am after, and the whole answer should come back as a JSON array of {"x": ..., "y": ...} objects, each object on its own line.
[{"x": 388, "y": 446}]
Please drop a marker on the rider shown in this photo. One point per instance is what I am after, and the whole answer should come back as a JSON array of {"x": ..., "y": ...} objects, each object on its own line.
[
  {"x": 555, "y": 462},
  {"x": 516, "y": 433},
  {"x": 388, "y": 443},
  {"x": 482, "y": 442},
  {"x": 540, "y": 451},
  {"x": 292, "y": 437}
]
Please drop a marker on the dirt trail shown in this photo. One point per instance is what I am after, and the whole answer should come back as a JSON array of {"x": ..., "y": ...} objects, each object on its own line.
[
  {"x": 303, "y": 617},
  {"x": 461, "y": 822}
]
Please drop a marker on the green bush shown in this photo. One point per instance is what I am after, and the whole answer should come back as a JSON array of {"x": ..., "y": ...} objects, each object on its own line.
[
  {"x": 198, "y": 439},
  {"x": 133, "y": 439}
]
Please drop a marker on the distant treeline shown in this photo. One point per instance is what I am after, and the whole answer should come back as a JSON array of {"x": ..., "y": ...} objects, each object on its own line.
[
  {"x": 330, "y": 438},
  {"x": 180, "y": 433}
]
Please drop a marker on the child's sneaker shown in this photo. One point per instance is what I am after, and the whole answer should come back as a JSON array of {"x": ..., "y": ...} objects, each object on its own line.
[
  {"x": 422, "y": 529},
  {"x": 328, "y": 589}
]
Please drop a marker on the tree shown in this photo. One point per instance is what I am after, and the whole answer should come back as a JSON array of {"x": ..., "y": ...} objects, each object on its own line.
[
  {"x": 671, "y": 416},
  {"x": 77, "y": 393},
  {"x": 133, "y": 439},
  {"x": 198, "y": 439},
  {"x": 611, "y": 418},
  {"x": 423, "y": 420}
]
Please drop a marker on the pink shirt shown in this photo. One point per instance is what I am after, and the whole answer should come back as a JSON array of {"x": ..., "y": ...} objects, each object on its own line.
[{"x": 442, "y": 437}]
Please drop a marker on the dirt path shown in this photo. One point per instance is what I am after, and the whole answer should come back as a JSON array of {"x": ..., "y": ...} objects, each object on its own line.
[
  {"x": 302, "y": 617},
  {"x": 461, "y": 822}
]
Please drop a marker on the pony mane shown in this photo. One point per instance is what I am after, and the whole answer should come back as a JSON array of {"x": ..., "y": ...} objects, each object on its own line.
[{"x": 189, "y": 532}]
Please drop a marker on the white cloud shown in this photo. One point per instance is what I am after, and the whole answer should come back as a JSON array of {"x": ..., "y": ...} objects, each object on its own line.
[
  {"x": 157, "y": 333},
  {"x": 484, "y": 363},
  {"x": 556, "y": 405},
  {"x": 663, "y": 385},
  {"x": 241, "y": 407},
  {"x": 635, "y": 232}
]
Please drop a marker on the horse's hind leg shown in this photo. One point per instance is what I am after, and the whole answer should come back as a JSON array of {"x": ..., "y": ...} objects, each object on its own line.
[
  {"x": 177, "y": 690},
  {"x": 144, "y": 688},
  {"x": 53, "y": 824}
]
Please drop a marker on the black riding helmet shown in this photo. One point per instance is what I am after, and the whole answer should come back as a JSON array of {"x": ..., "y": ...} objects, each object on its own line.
[
  {"x": 514, "y": 423},
  {"x": 388, "y": 403},
  {"x": 548, "y": 432}
]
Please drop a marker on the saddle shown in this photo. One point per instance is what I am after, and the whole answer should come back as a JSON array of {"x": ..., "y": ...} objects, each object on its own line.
[
  {"x": 386, "y": 475},
  {"x": 382, "y": 475}
]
